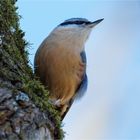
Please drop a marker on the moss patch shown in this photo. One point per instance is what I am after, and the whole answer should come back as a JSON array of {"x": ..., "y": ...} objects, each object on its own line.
[{"x": 14, "y": 67}]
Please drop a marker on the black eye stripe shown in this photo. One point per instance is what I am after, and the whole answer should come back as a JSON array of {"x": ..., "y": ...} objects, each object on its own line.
[{"x": 75, "y": 22}]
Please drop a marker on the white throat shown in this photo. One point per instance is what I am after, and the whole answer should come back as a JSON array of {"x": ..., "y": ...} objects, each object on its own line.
[{"x": 71, "y": 37}]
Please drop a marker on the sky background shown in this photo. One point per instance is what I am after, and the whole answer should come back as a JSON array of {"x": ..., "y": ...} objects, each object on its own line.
[{"x": 110, "y": 108}]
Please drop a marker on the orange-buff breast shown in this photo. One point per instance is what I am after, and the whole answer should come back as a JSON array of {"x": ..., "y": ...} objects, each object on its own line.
[{"x": 60, "y": 69}]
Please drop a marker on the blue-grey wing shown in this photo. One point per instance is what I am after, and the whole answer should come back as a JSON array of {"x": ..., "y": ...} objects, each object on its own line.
[{"x": 83, "y": 86}]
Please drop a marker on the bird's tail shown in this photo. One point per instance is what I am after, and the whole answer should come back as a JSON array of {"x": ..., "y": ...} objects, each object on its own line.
[{"x": 69, "y": 106}]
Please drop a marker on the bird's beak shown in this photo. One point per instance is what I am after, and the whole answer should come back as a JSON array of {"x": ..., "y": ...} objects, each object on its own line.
[{"x": 92, "y": 24}]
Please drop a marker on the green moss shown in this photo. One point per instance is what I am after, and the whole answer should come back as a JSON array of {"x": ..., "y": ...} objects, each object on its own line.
[
  {"x": 14, "y": 67},
  {"x": 40, "y": 97}
]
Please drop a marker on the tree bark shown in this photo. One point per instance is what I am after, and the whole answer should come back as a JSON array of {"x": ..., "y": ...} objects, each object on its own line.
[
  {"x": 22, "y": 120},
  {"x": 25, "y": 111}
]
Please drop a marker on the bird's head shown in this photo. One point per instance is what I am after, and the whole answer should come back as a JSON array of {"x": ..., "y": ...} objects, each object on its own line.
[{"x": 78, "y": 28}]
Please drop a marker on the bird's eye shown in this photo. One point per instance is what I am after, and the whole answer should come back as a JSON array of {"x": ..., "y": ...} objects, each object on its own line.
[{"x": 88, "y": 23}]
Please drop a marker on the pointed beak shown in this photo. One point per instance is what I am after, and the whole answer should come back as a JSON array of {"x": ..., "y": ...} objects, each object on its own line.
[{"x": 92, "y": 24}]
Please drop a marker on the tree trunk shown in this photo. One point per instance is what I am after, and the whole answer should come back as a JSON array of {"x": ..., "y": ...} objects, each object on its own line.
[{"x": 25, "y": 112}]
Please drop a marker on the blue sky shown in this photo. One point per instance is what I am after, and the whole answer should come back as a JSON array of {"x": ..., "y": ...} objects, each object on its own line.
[{"x": 110, "y": 108}]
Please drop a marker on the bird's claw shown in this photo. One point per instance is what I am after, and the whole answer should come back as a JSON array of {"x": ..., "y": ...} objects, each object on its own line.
[{"x": 56, "y": 103}]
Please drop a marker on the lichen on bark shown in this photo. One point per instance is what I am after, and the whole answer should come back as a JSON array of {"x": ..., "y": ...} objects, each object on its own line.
[{"x": 22, "y": 119}]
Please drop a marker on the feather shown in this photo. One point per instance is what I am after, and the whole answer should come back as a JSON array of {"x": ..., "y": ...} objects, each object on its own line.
[
  {"x": 83, "y": 85},
  {"x": 81, "y": 89}
]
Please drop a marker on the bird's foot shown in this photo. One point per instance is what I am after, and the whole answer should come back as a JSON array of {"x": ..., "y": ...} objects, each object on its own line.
[{"x": 56, "y": 103}]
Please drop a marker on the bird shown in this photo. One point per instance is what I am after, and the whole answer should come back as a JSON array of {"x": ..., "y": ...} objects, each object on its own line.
[{"x": 60, "y": 62}]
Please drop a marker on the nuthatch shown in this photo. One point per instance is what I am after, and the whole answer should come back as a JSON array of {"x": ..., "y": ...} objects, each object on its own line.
[{"x": 60, "y": 62}]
